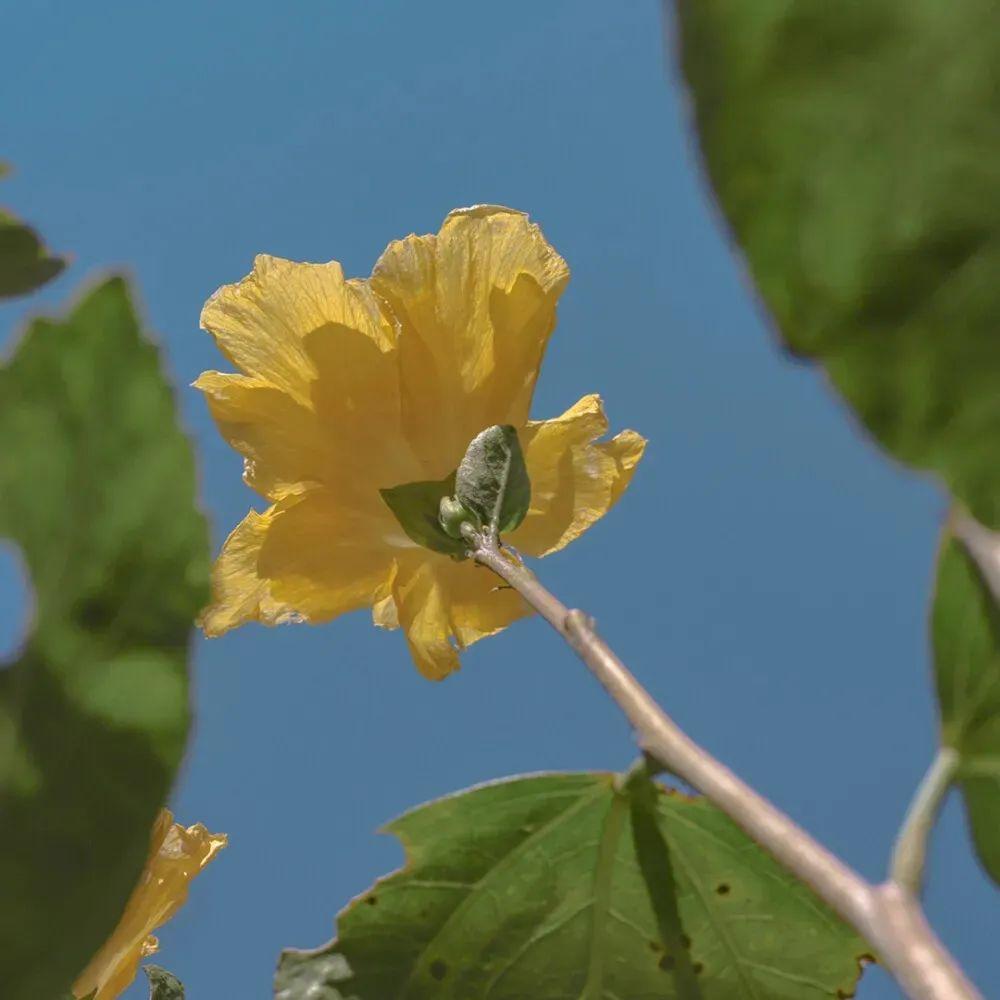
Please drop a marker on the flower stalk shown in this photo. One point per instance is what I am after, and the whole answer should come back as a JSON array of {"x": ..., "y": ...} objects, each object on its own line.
[
  {"x": 888, "y": 916},
  {"x": 909, "y": 855}
]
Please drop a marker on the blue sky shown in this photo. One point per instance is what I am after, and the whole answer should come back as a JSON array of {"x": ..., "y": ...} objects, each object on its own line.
[{"x": 767, "y": 575}]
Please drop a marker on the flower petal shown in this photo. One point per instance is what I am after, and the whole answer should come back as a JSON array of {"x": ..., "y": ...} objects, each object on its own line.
[
  {"x": 445, "y": 606},
  {"x": 324, "y": 558},
  {"x": 176, "y": 856},
  {"x": 312, "y": 556},
  {"x": 574, "y": 479},
  {"x": 261, "y": 322},
  {"x": 279, "y": 438},
  {"x": 239, "y": 593},
  {"x": 476, "y": 305}
]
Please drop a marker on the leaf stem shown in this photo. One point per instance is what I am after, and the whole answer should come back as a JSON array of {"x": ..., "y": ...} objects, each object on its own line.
[
  {"x": 888, "y": 916},
  {"x": 909, "y": 854}
]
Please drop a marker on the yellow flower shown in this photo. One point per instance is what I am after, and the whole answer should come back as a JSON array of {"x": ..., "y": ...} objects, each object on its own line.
[
  {"x": 176, "y": 855},
  {"x": 354, "y": 386}
]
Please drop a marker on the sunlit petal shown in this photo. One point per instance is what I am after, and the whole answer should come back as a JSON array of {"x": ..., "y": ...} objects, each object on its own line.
[
  {"x": 261, "y": 323},
  {"x": 310, "y": 557},
  {"x": 475, "y": 305},
  {"x": 444, "y": 606},
  {"x": 239, "y": 593},
  {"x": 575, "y": 479},
  {"x": 176, "y": 855},
  {"x": 280, "y": 439}
]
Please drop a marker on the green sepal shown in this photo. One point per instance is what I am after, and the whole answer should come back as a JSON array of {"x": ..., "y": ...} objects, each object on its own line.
[
  {"x": 416, "y": 507},
  {"x": 492, "y": 479}
]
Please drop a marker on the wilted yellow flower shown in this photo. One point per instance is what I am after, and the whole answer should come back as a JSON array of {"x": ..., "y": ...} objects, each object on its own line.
[
  {"x": 176, "y": 855},
  {"x": 355, "y": 386}
]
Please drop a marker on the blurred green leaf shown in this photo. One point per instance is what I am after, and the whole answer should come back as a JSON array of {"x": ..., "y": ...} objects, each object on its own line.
[
  {"x": 97, "y": 487},
  {"x": 163, "y": 985},
  {"x": 855, "y": 149},
  {"x": 416, "y": 506},
  {"x": 966, "y": 639},
  {"x": 560, "y": 886},
  {"x": 25, "y": 264}
]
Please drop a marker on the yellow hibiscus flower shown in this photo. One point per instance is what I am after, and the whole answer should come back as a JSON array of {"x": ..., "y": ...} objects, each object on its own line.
[
  {"x": 176, "y": 855},
  {"x": 351, "y": 387}
]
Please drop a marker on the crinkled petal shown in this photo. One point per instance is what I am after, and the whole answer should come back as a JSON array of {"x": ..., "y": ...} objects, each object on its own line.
[
  {"x": 177, "y": 854},
  {"x": 325, "y": 559},
  {"x": 262, "y": 322},
  {"x": 575, "y": 479},
  {"x": 356, "y": 399},
  {"x": 311, "y": 557},
  {"x": 445, "y": 606},
  {"x": 239, "y": 593},
  {"x": 475, "y": 306},
  {"x": 280, "y": 439}
]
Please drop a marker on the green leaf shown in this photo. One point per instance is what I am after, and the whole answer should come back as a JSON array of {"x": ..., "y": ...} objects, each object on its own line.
[
  {"x": 855, "y": 151},
  {"x": 558, "y": 886},
  {"x": 25, "y": 264},
  {"x": 163, "y": 985},
  {"x": 97, "y": 486},
  {"x": 492, "y": 479},
  {"x": 966, "y": 640},
  {"x": 416, "y": 506}
]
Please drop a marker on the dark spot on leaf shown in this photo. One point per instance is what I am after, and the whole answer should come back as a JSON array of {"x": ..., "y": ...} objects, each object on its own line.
[
  {"x": 698, "y": 968},
  {"x": 722, "y": 889},
  {"x": 655, "y": 946},
  {"x": 371, "y": 900},
  {"x": 438, "y": 969},
  {"x": 666, "y": 962},
  {"x": 686, "y": 941}
]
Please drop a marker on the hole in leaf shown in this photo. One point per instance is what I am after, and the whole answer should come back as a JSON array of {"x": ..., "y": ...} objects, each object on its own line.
[
  {"x": 438, "y": 969},
  {"x": 15, "y": 602}
]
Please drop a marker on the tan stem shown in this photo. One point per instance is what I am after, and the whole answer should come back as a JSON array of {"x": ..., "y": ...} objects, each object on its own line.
[{"x": 888, "y": 916}]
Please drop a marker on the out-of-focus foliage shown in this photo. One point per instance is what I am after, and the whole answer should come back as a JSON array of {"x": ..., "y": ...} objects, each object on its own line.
[
  {"x": 966, "y": 639},
  {"x": 854, "y": 150},
  {"x": 563, "y": 885},
  {"x": 97, "y": 489}
]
